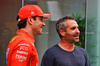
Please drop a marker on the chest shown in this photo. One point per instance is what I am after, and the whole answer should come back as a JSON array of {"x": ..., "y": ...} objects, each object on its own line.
[
  {"x": 69, "y": 59},
  {"x": 34, "y": 61}
]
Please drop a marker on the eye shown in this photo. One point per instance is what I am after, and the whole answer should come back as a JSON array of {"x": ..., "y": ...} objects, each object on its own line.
[
  {"x": 72, "y": 28},
  {"x": 41, "y": 19}
]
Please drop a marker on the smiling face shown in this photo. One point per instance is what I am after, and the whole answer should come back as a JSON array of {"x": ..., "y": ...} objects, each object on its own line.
[
  {"x": 72, "y": 32},
  {"x": 37, "y": 25}
]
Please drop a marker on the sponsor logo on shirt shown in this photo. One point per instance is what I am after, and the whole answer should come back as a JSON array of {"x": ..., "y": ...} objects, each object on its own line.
[
  {"x": 32, "y": 43},
  {"x": 23, "y": 44},
  {"x": 7, "y": 54},
  {"x": 37, "y": 64},
  {"x": 24, "y": 48},
  {"x": 22, "y": 52},
  {"x": 20, "y": 58}
]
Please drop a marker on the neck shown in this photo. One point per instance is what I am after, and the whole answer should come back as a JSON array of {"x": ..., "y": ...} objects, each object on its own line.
[{"x": 66, "y": 46}]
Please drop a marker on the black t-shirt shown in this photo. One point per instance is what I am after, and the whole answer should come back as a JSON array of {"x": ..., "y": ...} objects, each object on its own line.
[{"x": 56, "y": 56}]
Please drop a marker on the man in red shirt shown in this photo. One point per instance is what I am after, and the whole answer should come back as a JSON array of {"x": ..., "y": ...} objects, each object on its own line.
[{"x": 21, "y": 50}]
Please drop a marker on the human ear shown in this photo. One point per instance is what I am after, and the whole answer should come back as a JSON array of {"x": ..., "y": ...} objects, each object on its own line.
[
  {"x": 29, "y": 19},
  {"x": 62, "y": 32}
]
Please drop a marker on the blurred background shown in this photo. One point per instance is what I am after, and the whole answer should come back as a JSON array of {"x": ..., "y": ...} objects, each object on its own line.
[{"x": 86, "y": 13}]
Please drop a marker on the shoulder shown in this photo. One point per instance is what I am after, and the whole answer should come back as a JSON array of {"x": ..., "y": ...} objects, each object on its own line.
[
  {"x": 21, "y": 37},
  {"x": 50, "y": 53},
  {"x": 18, "y": 38},
  {"x": 20, "y": 41},
  {"x": 51, "y": 50},
  {"x": 81, "y": 50},
  {"x": 24, "y": 41}
]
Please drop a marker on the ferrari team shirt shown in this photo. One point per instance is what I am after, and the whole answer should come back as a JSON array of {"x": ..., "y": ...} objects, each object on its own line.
[{"x": 21, "y": 50}]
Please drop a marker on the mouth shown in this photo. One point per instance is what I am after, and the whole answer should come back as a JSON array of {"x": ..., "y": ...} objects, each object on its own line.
[
  {"x": 76, "y": 36},
  {"x": 41, "y": 26}
]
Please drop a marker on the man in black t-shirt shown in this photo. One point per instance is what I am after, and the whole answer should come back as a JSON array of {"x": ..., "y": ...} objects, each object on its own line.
[{"x": 66, "y": 53}]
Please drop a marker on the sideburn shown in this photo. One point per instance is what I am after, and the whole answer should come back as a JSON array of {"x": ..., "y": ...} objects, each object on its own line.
[{"x": 69, "y": 38}]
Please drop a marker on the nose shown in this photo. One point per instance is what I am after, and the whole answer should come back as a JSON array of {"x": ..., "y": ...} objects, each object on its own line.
[
  {"x": 43, "y": 24},
  {"x": 77, "y": 31}
]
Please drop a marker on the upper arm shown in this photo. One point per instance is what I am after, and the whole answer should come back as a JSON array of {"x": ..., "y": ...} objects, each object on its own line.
[
  {"x": 21, "y": 54},
  {"x": 87, "y": 62},
  {"x": 48, "y": 59}
]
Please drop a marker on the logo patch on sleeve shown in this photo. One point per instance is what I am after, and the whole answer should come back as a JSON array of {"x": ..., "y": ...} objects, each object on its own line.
[{"x": 7, "y": 54}]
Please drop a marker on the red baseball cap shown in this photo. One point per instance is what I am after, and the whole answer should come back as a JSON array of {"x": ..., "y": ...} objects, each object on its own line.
[{"x": 30, "y": 11}]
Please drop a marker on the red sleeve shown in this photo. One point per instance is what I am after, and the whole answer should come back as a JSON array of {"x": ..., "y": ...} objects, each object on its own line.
[{"x": 21, "y": 54}]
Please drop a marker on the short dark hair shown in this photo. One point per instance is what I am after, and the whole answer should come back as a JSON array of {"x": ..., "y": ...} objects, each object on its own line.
[
  {"x": 61, "y": 24},
  {"x": 22, "y": 23}
]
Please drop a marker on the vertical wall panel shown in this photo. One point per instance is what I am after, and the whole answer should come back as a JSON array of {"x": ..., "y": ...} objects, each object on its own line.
[{"x": 93, "y": 31}]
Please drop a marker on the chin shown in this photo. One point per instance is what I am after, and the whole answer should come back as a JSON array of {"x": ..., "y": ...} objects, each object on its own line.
[
  {"x": 40, "y": 33},
  {"x": 77, "y": 41}
]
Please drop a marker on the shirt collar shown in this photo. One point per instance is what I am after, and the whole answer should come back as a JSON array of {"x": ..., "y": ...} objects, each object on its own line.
[{"x": 26, "y": 34}]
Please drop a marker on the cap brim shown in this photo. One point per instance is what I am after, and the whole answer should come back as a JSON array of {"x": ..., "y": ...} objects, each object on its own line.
[{"x": 45, "y": 16}]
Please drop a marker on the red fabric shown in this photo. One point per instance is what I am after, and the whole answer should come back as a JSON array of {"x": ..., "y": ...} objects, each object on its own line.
[
  {"x": 30, "y": 11},
  {"x": 21, "y": 50}
]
